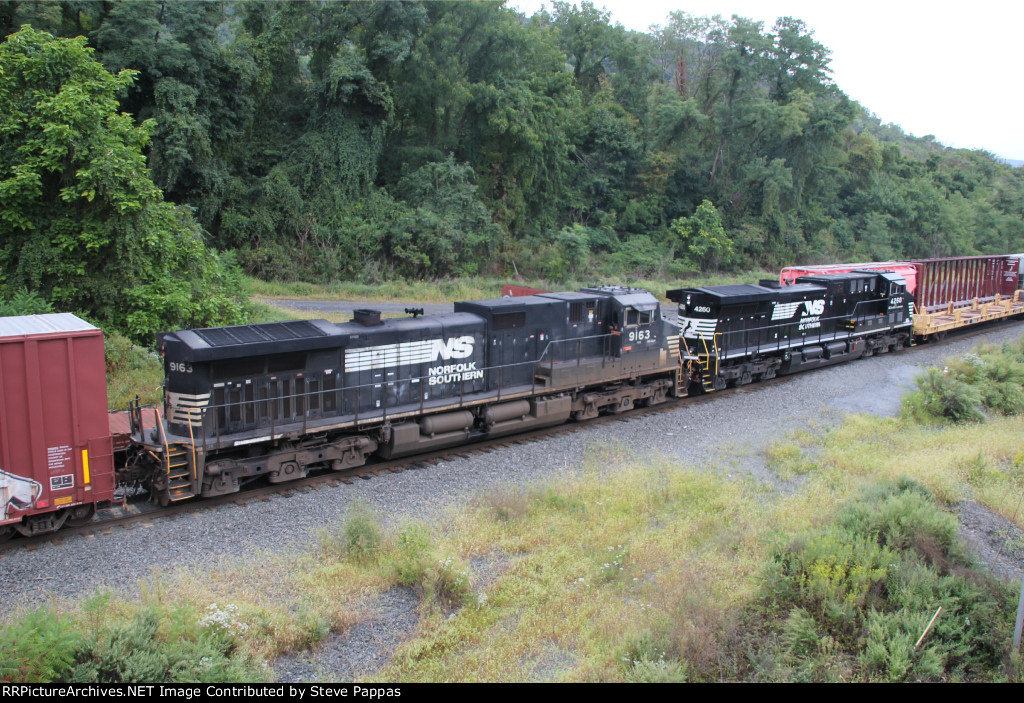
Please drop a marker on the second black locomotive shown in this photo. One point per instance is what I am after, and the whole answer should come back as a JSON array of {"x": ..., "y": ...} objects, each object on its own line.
[{"x": 740, "y": 333}]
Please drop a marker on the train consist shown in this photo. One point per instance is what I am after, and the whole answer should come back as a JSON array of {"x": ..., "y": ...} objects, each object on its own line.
[
  {"x": 275, "y": 401},
  {"x": 278, "y": 400}
]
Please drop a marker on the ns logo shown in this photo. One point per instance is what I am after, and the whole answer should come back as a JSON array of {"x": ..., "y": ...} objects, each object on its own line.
[
  {"x": 814, "y": 307},
  {"x": 453, "y": 348}
]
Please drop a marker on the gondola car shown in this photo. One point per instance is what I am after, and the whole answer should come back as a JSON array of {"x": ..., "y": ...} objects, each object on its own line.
[{"x": 741, "y": 333}]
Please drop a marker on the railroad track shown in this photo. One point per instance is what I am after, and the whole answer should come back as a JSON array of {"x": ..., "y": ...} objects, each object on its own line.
[{"x": 140, "y": 514}]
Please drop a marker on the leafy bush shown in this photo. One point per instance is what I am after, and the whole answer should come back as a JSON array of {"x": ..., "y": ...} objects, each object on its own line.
[
  {"x": 39, "y": 648},
  {"x": 941, "y": 396},
  {"x": 166, "y": 643},
  {"x": 990, "y": 377},
  {"x": 159, "y": 643},
  {"x": 856, "y": 596}
]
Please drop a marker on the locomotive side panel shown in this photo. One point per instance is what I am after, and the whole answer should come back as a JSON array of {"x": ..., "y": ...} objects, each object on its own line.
[{"x": 413, "y": 363}]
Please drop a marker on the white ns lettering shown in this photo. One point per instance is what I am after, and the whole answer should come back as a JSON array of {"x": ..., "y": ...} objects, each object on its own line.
[
  {"x": 454, "y": 348},
  {"x": 814, "y": 307}
]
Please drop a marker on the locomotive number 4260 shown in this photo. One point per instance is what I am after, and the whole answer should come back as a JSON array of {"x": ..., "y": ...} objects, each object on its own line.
[{"x": 181, "y": 367}]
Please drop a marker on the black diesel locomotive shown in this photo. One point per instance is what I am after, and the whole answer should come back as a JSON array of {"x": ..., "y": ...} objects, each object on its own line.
[
  {"x": 740, "y": 333},
  {"x": 280, "y": 399}
]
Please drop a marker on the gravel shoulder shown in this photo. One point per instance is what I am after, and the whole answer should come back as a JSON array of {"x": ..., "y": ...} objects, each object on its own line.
[{"x": 736, "y": 428}]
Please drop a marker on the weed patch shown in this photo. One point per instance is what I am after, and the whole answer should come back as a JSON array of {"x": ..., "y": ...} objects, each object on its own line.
[
  {"x": 988, "y": 380},
  {"x": 852, "y": 599}
]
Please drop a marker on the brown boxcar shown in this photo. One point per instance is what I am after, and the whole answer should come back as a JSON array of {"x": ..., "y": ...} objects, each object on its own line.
[
  {"x": 959, "y": 280},
  {"x": 56, "y": 460}
]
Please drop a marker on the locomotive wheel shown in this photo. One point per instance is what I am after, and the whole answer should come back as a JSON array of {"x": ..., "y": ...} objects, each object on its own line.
[
  {"x": 658, "y": 398},
  {"x": 768, "y": 374},
  {"x": 589, "y": 412},
  {"x": 719, "y": 383},
  {"x": 81, "y": 515},
  {"x": 744, "y": 379}
]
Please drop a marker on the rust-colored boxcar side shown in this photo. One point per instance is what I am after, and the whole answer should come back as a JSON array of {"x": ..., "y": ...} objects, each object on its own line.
[
  {"x": 56, "y": 460},
  {"x": 959, "y": 280}
]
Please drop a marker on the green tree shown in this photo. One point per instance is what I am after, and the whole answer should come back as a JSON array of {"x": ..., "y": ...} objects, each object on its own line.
[
  {"x": 588, "y": 38},
  {"x": 702, "y": 239},
  {"x": 447, "y": 230},
  {"x": 81, "y": 221}
]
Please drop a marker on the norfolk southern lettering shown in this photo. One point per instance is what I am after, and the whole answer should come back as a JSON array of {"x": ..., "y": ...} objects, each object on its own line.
[{"x": 454, "y": 373}]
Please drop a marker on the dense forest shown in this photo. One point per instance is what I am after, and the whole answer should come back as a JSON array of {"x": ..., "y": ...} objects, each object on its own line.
[{"x": 374, "y": 140}]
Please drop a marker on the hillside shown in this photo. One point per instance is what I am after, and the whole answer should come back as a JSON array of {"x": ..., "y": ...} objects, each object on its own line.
[{"x": 373, "y": 141}]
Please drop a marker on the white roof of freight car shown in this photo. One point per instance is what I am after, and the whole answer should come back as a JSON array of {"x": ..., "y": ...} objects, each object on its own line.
[{"x": 54, "y": 323}]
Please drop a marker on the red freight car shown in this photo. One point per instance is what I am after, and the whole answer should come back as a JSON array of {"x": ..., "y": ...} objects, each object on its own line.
[
  {"x": 960, "y": 280},
  {"x": 903, "y": 268},
  {"x": 56, "y": 462}
]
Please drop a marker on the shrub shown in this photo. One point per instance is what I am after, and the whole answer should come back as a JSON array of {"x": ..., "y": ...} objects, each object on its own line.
[
  {"x": 39, "y": 648},
  {"x": 131, "y": 371},
  {"x": 362, "y": 533},
  {"x": 412, "y": 555},
  {"x": 941, "y": 396},
  {"x": 859, "y": 593},
  {"x": 449, "y": 582},
  {"x": 650, "y": 658},
  {"x": 166, "y": 643},
  {"x": 23, "y": 302}
]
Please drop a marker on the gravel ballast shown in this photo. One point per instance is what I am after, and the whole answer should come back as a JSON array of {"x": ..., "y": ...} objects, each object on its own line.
[{"x": 743, "y": 424}]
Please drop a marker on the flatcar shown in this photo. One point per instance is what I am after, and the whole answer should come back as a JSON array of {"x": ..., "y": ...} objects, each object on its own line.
[
  {"x": 741, "y": 333},
  {"x": 280, "y": 399}
]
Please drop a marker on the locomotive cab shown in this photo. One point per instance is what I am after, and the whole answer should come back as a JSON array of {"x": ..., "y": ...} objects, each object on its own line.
[{"x": 634, "y": 320}]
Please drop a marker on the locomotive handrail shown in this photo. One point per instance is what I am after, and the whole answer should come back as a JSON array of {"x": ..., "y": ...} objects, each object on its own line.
[
  {"x": 192, "y": 444},
  {"x": 552, "y": 342}
]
